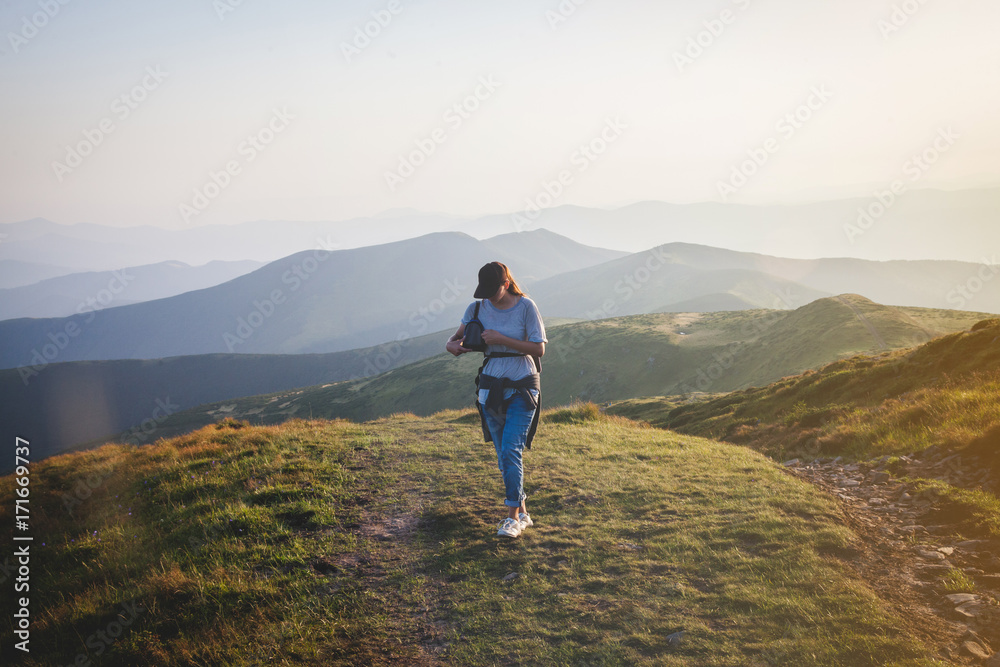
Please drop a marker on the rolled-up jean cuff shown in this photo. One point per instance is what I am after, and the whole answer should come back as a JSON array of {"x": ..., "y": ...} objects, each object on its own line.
[{"x": 511, "y": 503}]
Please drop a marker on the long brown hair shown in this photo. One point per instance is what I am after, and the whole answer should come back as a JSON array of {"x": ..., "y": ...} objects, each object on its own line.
[{"x": 514, "y": 288}]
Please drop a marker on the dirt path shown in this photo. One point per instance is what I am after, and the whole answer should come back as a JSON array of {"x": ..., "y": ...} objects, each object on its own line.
[
  {"x": 908, "y": 555},
  {"x": 384, "y": 564}
]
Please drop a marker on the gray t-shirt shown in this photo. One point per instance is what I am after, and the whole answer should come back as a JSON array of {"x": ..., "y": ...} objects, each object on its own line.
[{"x": 520, "y": 322}]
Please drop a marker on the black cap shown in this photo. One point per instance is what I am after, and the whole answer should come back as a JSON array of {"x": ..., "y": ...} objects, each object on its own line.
[{"x": 490, "y": 280}]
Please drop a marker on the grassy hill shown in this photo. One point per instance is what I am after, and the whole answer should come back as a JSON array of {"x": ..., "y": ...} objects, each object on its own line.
[
  {"x": 338, "y": 543},
  {"x": 612, "y": 359},
  {"x": 945, "y": 393}
]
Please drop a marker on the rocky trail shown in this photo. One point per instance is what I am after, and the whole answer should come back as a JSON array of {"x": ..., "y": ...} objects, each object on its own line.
[{"x": 946, "y": 584}]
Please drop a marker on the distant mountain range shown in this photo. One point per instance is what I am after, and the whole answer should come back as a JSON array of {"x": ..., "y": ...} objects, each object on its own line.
[
  {"x": 95, "y": 290},
  {"x": 919, "y": 224},
  {"x": 311, "y": 302},
  {"x": 15, "y": 273},
  {"x": 328, "y": 301}
]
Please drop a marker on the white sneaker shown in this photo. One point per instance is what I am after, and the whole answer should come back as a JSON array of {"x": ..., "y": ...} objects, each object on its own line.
[
  {"x": 525, "y": 521},
  {"x": 509, "y": 527}
]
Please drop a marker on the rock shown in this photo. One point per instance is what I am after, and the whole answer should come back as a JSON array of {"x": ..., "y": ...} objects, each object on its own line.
[
  {"x": 972, "y": 609},
  {"x": 961, "y": 598},
  {"x": 947, "y": 551},
  {"x": 971, "y": 544},
  {"x": 880, "y": 478},
  {"x": 791, "y": 462},
  {"x": 993, "y": 661},
  {"x": 850, "y": 483},
  {"x": 511, "y": 577},
  {"x": 972, "y": 636},
  {"x": 931, "y": 555},
  {"x": 935, "y": 569},
  {"x": 912, "y": 528},
  {"x": 975, "y": 650},
  {"x": 675, "y": 639}
]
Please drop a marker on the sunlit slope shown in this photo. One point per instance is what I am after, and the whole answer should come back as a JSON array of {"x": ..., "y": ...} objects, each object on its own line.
[{"x": 945, "y": 393}]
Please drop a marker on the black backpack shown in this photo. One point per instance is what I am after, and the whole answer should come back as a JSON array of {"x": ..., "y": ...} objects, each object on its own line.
[{"x": 474, "y": 333}]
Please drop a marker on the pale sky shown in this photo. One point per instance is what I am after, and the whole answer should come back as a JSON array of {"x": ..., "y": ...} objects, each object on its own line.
[{"x": 885, "y": 79}]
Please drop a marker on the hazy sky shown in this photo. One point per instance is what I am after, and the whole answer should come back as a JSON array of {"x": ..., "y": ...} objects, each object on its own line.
[{"x": 669, "y": 96}]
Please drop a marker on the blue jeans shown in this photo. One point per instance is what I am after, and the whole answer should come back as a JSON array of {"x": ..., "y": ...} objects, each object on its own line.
[{"x": 509, "y": 442}]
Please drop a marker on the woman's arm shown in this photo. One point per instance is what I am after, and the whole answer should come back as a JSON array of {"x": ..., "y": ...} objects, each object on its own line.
[
  {"x": 454, "y": 344},
  {"x": 492, "y": 337}
]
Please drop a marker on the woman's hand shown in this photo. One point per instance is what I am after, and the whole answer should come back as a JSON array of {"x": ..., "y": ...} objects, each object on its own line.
[
  {"x": 454, "y": 344},
  {"x": 493, "y": 337}
]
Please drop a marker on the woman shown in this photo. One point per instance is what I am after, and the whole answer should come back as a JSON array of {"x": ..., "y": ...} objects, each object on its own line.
[{"x": 509, "y": 381}]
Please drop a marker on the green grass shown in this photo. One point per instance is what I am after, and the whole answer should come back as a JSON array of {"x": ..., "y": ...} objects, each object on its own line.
[
  {"x": 956, "y": 581},
  {"x": 973, "y": 512},
  {"x": 336, "y": 543}
]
